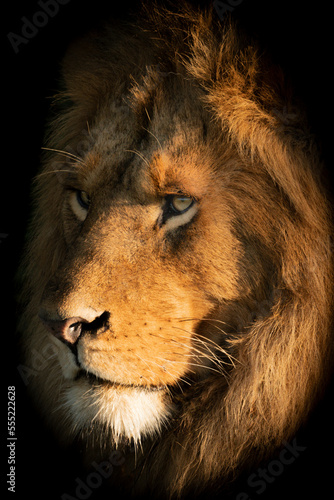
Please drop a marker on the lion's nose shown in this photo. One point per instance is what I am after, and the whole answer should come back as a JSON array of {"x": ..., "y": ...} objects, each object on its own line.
[
  {"x": 67, "y": 330},
  {"x": 70, "y": 329}
]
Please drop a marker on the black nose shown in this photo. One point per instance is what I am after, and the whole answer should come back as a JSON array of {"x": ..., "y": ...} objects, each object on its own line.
[{"x": 70, "y": 329}]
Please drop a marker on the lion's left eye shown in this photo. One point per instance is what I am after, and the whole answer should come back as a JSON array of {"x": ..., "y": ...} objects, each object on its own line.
[
  {"x": 180, "y": 204},
  {"x": 178, "y": 210},
  {"x": 83, "y": 199},
  {"x": 80, "y": 202}
]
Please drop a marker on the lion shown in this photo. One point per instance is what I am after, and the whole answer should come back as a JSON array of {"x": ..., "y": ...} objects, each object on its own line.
[{"x": 179, "y": 258}]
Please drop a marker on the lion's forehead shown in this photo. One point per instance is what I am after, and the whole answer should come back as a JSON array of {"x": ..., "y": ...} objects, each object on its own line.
[
  {"x": 177, "y": 161},
  {"x": 133, "y": 140}
]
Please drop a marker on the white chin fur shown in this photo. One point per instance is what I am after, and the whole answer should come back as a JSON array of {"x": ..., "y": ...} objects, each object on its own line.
[{"x": 127, "y": 412}]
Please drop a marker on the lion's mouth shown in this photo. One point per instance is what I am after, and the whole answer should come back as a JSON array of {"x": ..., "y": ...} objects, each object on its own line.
[{"x": 96, "y": 381}]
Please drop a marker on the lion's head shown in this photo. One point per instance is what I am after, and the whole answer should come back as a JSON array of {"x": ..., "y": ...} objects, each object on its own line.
[{"x": 179, "y": 258}]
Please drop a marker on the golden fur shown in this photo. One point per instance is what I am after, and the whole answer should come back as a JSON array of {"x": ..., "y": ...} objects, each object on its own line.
[{"x": 217, "y": 338}]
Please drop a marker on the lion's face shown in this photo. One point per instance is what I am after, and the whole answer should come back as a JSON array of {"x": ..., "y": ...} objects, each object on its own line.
[{"x": 150, "y": 253}]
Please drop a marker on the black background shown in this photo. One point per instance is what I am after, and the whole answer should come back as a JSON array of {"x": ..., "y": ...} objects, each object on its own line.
[{"x": 298, "y": 34}]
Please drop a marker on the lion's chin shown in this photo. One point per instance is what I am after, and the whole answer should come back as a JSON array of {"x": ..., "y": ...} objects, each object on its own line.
[{"x": 127, "y": 412}]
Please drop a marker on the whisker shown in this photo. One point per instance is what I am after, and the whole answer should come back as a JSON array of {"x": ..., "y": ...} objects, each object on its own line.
[
  {"x": 147, "y": 114},
  {"x": 52, "y": 172},
  {"x": 67, "y": 154},
  {"x": 88, "y": 129},
  {"x": 149, "y": 362},
  {"x": 217, "y": 346},
  {"x": 138, "y": 154},
  {"x": 155, "y": 137},
  {"x": 208, "y": 320},
  {"x": 198, "y": 337},
  {"x": 221, "y": 372},
  {"x": 206, "y": 339},
  {"x": 198, "y": 353},
  {"x": 185, "y": 381},
  {"x": 191, "y": 347},
  {"x": 203, "y": 319},
  {"x": 215, "y": 361}
]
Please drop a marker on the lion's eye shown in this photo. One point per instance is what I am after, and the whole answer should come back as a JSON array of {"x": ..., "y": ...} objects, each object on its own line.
[
  {"x": 180, "y": 204},
  {"x": 79, "y": 203},
  {"x": 83, "y": 199},
  {"x": 178, "y": 211}
]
